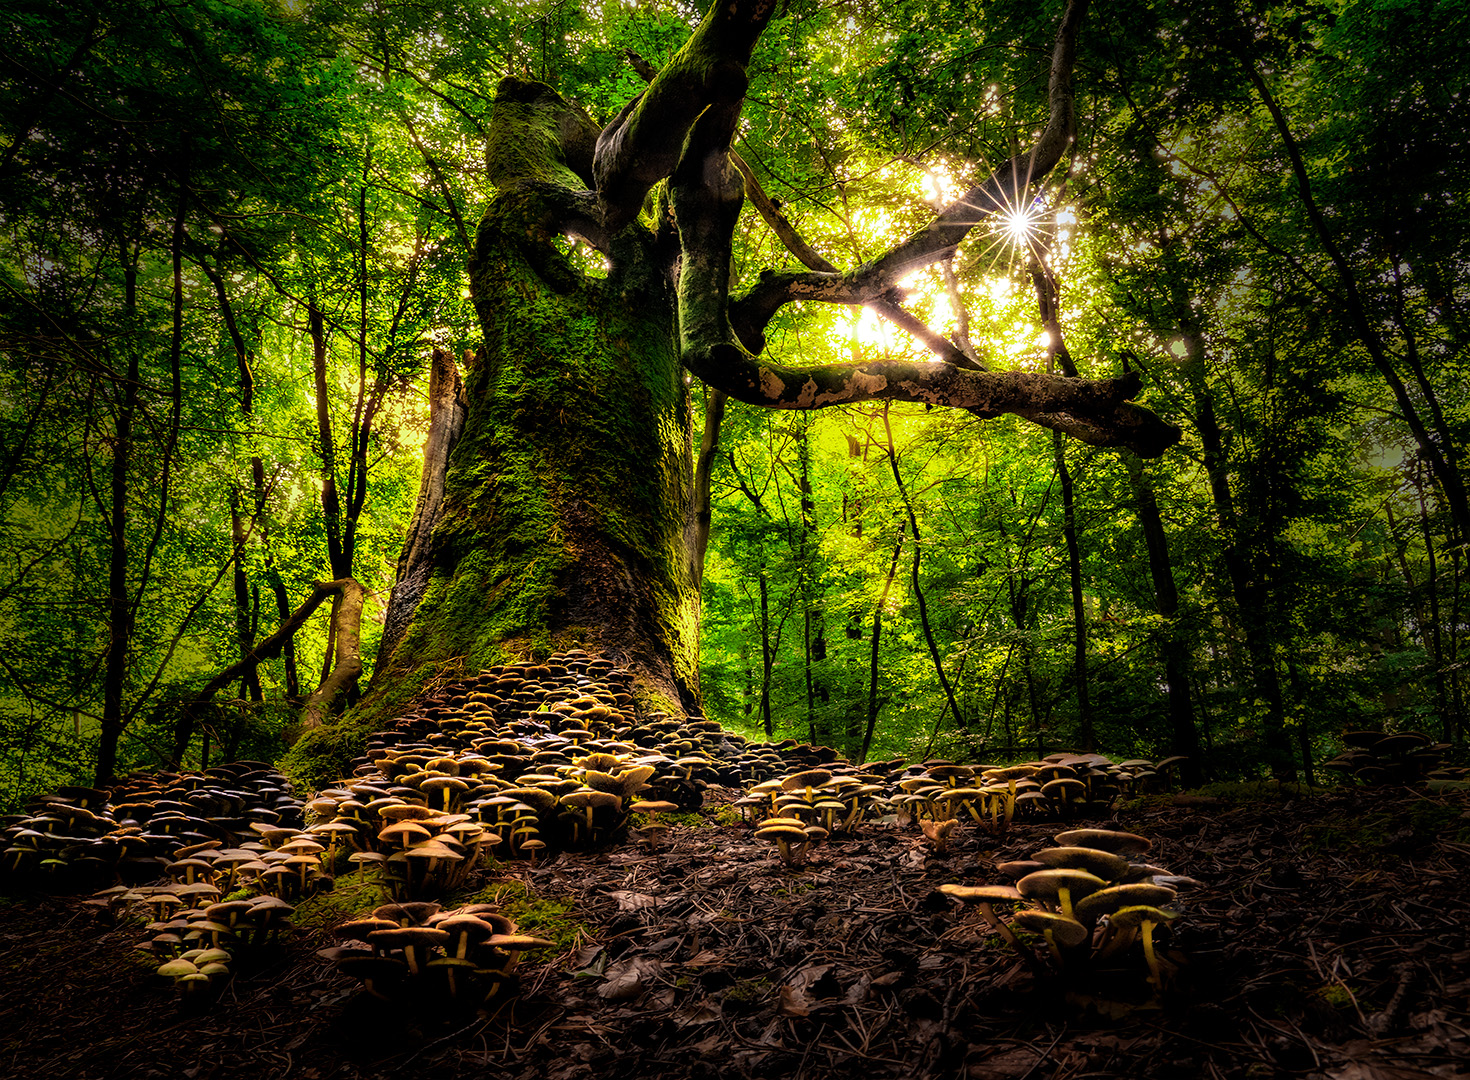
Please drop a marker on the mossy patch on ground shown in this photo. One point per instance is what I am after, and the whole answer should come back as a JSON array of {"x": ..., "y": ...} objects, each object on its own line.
[
  {"x": 553, "y": 920},
  {"x": 351, "y": 896}
]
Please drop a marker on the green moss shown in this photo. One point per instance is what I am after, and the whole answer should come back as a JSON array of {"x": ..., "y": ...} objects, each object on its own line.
[
  {"x": 351, "y": 897},
  {"x": 1337, "y": 995},
  {"x": 565, "y": 499},
  {"x": 746, "y": 992},
  {"x": 554, "y": 920},
  {"x": 692, "y": 820}
]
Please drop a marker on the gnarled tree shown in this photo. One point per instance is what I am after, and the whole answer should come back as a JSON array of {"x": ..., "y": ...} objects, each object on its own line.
[{"x": 567, "y": 513}]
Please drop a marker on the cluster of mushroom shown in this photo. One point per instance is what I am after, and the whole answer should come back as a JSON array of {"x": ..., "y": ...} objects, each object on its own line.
[
  {"x": 1406, "y": 757},
  {"x": 547, "y": 756},
  {"x": 196, "y": 935},
  {"x": 85, "y": 837},
  {"x": 415, "y": 847},
  {"x": 1091, "y": 901},
  {"x": 808, "y": 806},
  {"x": 415, "y": 953}
]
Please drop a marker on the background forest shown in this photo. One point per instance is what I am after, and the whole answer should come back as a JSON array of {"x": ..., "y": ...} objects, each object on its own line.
[{"x": 231, "y": 233}]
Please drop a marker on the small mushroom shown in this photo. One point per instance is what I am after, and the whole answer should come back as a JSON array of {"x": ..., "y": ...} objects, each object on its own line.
[
  {"x": 1059, "y": 931},
  {"x": 1144, "y": 918},
  {"x": 986, "y": 896}
]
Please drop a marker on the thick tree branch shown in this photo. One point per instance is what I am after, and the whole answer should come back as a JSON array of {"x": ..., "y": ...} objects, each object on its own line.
[
  {"x": 641, "y": 146},
  {"x": 1095, "y": 411},
  {"x": 706, "y": 191},
  {"x": 267, "y": 649}
]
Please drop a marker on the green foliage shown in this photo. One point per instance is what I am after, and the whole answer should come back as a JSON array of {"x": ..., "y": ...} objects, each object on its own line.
[{"x": 163, "y": 473}]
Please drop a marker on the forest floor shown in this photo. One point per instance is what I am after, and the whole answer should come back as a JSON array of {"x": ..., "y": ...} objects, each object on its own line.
[{"x": 1330, "y": 940}]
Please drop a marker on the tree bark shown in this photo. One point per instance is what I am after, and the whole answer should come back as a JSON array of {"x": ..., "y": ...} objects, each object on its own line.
[
  {"x": 877, "y": 637},
  {"x": 347, "y": 628},
  {"x": 913, "y": 520},
  {"x": 1086, "y": 736},
  {"x": 447, "y": 410},
  {"x": 567, "y": 517},
  {"x": 1172, "y": 644},
  {"x": 1250, "y": 597}
]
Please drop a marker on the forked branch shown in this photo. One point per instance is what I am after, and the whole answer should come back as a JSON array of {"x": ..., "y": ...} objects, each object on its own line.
[{"x": 706, "y": 192}]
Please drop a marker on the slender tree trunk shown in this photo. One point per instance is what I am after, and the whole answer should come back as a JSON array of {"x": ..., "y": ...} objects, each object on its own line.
[
  {"x": 250, "y": 680},
  {"x": 244, "y": 631},
  {"x": 119, "y": 605},
  {"x": 704, "y": 466},
  {"x": 342, "y": 681},
  {"x": 1436, "y": 631},
  {"x": 288, "y": 650},
  {"x": 327, "y": 453},
  {"x": 1250, "y": 598},
  {"x": 804, "y": 568},
  {"x": 1184, "y": 739},
  {"x": 1048, "y": 300},
  {"x": 767, "y": 656},
  {"x": 877, "y": 636},
  {"x": 447, "y": 410},
  {"x": 913, "y": 521},
  {"x": 1085, "y": 733}
]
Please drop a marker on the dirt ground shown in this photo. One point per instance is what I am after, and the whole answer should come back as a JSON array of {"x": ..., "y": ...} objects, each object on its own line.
[{"x": 1329, "y": 940}]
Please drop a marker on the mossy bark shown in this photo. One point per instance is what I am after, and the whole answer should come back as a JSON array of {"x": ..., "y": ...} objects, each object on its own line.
[{"x": 566, "y": 517}]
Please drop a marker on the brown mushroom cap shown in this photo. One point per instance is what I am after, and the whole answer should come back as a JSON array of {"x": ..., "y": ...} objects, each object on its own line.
[
  {"x": 1068, "y": 933},
  {"x": 519, "y": 942},
  {"x": 1108, "y": 901},
  {"x": 809, "y": 778},
  {"x": 407, "y": 937},
  {"x": 404, "y": 833},
  {"x": 654, "y": 806},
  {"x": 359, "y": 929},
  {"x": 1104, "y": 864},
  {"x": 988, "y": 894},
  {"x": 1119, "y": 843},
  {"x": 1048, "y": 885}
]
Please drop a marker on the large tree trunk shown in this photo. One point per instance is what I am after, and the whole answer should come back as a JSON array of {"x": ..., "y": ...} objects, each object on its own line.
[{"x": 566, "y": 518}]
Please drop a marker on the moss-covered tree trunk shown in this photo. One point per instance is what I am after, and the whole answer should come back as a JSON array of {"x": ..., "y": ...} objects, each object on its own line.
[{"x": 565, "y": 517}]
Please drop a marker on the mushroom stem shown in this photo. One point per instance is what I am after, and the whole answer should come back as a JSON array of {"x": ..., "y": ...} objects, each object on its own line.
[
  {"x": 1155, "y": 976},
  {"x": 1056, "y": 951},
  {"x": 1001, "y": 928}
]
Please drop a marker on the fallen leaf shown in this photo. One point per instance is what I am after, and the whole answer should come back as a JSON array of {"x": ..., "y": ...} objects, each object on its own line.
[
  {"x": 697, "y": 1012},
  {"x": 627, "y": 979},
  {"x": 632, "y": 901},
  {"x": 794, "y": 1002}
]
